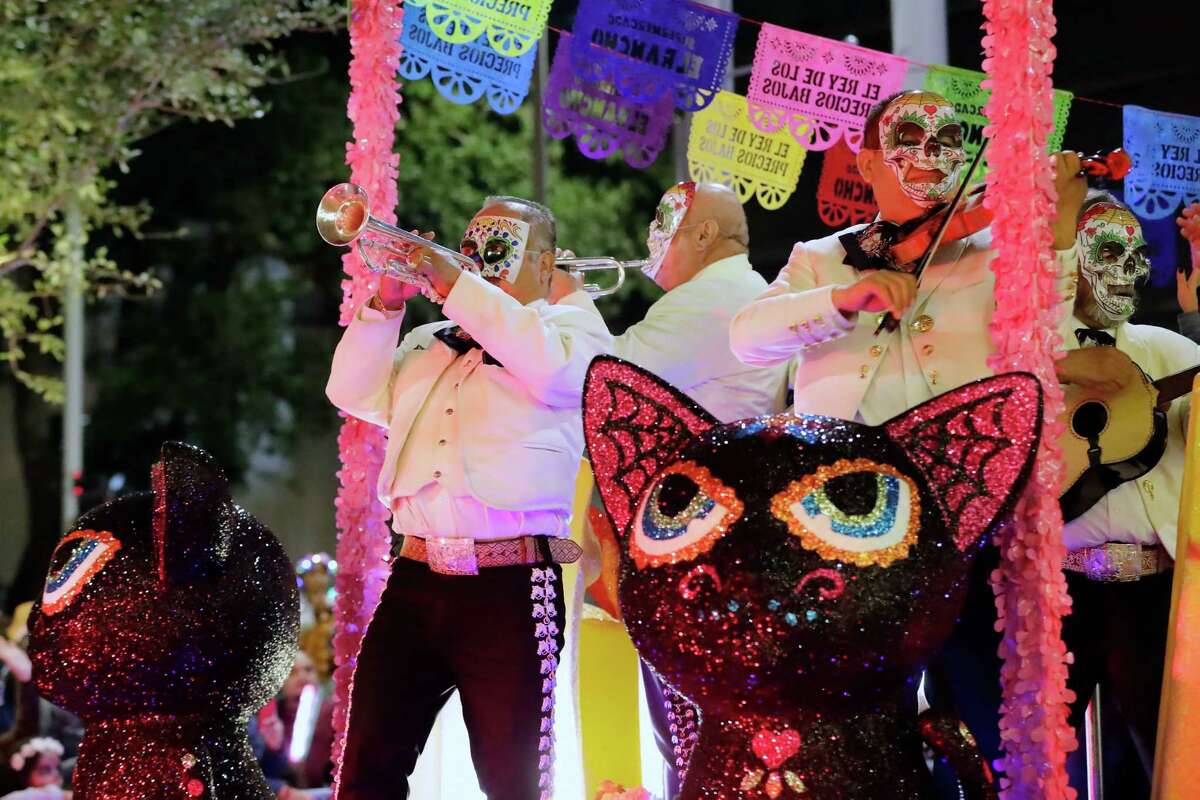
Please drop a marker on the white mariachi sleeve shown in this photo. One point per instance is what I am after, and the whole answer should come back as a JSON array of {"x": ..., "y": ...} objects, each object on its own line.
[
  {"x": 364, "y": 364},
  {"x": 794, "y": 314}
]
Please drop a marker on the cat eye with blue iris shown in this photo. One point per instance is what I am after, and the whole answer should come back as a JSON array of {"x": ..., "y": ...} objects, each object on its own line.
[
  {"x": 77, "y": 559},
  {"x": 854, "y": 510},
  {"x": 683, "y": 515}
]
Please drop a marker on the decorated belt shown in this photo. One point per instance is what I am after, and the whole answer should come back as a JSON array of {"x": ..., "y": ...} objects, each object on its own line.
[
  {"x": 451, "y": 555},
  {"x": 1114, "y": 562}
]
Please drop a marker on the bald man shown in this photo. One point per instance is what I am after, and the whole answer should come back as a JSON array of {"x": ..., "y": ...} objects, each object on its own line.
[{"x": 698, "y": 245}]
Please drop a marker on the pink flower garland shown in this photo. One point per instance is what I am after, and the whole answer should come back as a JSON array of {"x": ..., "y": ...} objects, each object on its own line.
[
  {"x": 1031, "y": 593},
  {"x": 364, "y": 539}
]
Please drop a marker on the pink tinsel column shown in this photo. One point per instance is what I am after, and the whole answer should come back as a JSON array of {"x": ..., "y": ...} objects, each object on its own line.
[
  {"x": 363, "y": 539},
  {"x": 1030, "y": 588}
]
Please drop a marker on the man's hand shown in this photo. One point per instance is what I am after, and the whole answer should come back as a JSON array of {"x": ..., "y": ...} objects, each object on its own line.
[
  {"x": 393, "y": 292},
  {"x": 270, "y": 727},
  {"x": 1072, "y": 190},
  {"x": 1186, "y": 286},
  {"x": 880, "y": 291},
  {"x": 1104, "y": 369},
  {"x": 441, "y": 271}
]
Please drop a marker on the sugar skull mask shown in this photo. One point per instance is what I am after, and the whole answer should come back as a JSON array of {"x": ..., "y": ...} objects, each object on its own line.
[
  {"x": 496, "y": 245},
  {"x": 672, "y": 208},
  {"x": 921, "y": 134},
  {"x": 1114, "y": 258}
]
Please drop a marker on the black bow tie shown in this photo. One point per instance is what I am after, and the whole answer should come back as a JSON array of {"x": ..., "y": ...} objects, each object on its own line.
[
  {"x": 871, "y": 247},
  {"x": 461, "y": 342},
  {"x": 1101, "y": 338}
]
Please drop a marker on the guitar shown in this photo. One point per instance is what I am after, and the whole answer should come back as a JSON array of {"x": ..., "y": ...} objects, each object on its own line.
[{"x": 1114, "y": 438}]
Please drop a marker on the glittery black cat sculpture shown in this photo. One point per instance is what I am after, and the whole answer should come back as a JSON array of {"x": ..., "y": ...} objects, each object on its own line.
[
  {"x": 790, "y": 574},
  {"x": 167, "y": 618}
]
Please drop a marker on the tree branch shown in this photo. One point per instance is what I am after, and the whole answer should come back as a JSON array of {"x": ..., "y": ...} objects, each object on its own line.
[{"x": 14, "y": 264}]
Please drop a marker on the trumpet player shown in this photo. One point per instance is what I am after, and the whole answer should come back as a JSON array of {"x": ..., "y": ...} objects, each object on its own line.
[{"x": 484, "y": 439}]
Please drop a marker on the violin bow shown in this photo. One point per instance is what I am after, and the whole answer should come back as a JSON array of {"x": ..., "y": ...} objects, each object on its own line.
[{"x": 888, "y": 321}]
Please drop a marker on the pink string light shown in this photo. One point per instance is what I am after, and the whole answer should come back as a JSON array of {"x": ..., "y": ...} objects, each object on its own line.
[
  {"x": 363, "y": 539},
  {"x": 1031, "y": 593}
]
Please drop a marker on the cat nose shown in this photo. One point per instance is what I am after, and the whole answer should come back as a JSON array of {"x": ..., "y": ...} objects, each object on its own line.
[{"x": 823, "y": 574}]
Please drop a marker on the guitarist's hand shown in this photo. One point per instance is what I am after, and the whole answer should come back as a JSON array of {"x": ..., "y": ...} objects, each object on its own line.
[{"x": 1101, "y": 369}]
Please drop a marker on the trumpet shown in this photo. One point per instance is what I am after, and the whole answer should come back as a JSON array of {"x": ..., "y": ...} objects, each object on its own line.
[
  {"x": 344, "y": 217},
  {"x": 597, "y": 263}
]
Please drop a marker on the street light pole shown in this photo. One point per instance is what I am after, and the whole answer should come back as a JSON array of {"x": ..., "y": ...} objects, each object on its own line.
[
  {"x": 919, "y": 31},
  {"x": 541, "y": 167},
  {"x": 73, "y": 325}
]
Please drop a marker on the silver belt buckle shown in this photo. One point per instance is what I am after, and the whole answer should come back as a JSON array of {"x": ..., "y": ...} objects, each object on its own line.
[
  {"x": 451, "y": 555},
  {"x": 1112, "y": 562}
]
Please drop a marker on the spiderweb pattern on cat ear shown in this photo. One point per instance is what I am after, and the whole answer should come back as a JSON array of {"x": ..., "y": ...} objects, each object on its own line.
[
  {"x": 633, "y": 424},
  {"x": 973, "y": 446}
]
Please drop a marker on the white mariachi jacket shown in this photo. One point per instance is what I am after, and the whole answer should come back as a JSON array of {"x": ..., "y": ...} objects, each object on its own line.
[
  {"x": 521, "y": 435},
  {"x": 684, "y": 339},
  {"x": 1159, "y": 352},
  {"x": 945, "y": 331}
]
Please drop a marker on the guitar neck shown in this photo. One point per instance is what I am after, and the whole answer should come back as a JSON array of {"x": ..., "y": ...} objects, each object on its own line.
[{"x": 1176, "y": 385}]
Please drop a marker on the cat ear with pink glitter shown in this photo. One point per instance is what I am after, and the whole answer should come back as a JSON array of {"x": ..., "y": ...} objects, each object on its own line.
[
  {"x": 975, "y": 447},
  {"x": 633, "y": 424}
]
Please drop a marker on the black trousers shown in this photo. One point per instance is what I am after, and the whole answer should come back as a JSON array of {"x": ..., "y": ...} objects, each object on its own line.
[
  {"x": 1117, "y": 633},
  {"x": 495, "y": 637},
  {"x": 659, "y": 696}
]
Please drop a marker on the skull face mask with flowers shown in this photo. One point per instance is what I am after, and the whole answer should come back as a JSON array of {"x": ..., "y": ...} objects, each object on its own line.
[
  {"x": 1113, "y": 259},
  {"x": 921, "y": 138},
  {"x": 496, "y": 245},
  {"x": 668, "y": 219}
]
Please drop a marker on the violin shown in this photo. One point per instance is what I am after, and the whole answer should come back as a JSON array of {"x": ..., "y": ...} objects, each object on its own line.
[
  {"x": 972, "y": 217},
  {"x": 966, "y": 214}
]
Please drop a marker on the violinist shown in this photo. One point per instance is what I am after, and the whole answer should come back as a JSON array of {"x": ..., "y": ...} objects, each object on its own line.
[{"x": 825, "y": 307}]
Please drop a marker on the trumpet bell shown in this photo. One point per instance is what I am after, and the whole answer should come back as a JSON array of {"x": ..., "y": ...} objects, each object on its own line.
[{"x": 343, "y": 214}]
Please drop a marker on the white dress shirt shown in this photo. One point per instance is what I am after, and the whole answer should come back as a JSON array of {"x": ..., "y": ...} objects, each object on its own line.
[
  {"x": 842, "y": 369},
  {"x": 684, "y": 339},
  {"x": 1144, "y": 511},
  {"x": 474, "y": 450}
]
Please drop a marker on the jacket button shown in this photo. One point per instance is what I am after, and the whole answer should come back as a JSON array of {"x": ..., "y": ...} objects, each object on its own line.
[
  {"x": 875, "y": 351},
  {"x": 863, "y": 369},
  {"x": 437, "y": 473},
  {"x": 922, "y": 324},
  {"x": 1148, "y": 485},
  {"x": 933, "y": 376},
  {"x": 449, "y": 411},
  {"x": 927, "y": 350},
  {"x": 441, "y": 442}
]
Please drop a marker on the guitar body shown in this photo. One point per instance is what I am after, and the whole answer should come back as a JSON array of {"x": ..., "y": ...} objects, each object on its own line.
[{"x": 1109, "y": 439}]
